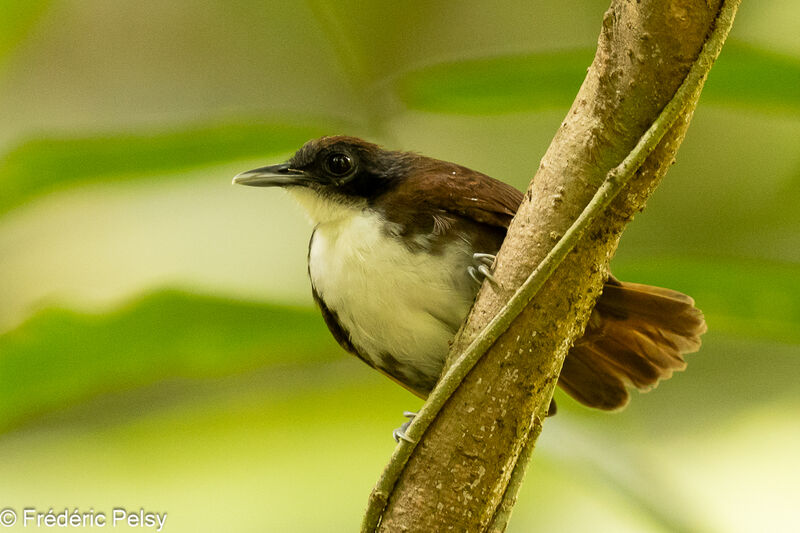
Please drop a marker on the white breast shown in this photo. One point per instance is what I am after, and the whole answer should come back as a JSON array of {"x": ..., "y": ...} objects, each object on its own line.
[{"x": 392, "y": 301}]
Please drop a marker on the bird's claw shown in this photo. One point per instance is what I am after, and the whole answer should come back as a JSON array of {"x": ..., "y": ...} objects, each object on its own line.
[
  {"x": 400, "y": 433},
  {"x": 486, "y": 259},
  {"x": 481, "y": 269}
]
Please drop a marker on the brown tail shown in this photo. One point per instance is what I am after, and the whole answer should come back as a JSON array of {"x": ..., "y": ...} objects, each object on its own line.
[{"x": 636, "y": 336}]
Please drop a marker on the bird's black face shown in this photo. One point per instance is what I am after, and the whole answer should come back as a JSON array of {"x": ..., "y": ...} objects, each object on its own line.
[{"x": 333, "y": 167}]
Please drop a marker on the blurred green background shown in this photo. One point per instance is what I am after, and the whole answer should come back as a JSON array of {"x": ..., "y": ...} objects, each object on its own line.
[{"x": 158, "y": 344}]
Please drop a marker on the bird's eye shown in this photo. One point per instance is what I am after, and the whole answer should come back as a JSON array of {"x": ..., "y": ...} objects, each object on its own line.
[{"x": 339, "y": 164}]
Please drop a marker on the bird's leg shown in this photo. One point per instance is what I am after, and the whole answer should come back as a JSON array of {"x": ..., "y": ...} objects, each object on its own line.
[
  {"x": 480, "y": 268},
  {"x": 400, "y": 433}
]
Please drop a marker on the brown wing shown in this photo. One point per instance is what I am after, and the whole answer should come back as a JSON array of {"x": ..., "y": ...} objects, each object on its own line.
[
  {"x": 475, "y": 196},
  {"x": 441, "y": 189}
]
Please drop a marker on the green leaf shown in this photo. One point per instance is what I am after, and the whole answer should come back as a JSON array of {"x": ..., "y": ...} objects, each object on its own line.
[
  {"x": 744, "y": 76},
  {"x": 505, "y": 84},
  {"x": 43, "y": 165},
  {"x": 60, "y": 358},
  {"x": 16, "y": 20},
  {"x": 753, "y": 78}
]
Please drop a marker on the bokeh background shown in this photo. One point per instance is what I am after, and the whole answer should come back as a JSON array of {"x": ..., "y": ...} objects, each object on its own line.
[{"x": 158, "y": 343}]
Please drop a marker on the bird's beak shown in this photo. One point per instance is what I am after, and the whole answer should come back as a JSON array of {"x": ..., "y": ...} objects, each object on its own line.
[{"x": 271, "y": 176}]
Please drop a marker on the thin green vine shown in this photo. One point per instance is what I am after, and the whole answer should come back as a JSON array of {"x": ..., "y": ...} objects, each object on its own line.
[{"x": 614, "y": 182}]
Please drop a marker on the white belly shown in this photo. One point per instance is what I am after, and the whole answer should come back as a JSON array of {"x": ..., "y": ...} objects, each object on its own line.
[{"x": 392, "y": 301}]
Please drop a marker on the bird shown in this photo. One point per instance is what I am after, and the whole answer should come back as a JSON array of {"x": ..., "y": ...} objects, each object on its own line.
[{"x": 400, "y": 245}]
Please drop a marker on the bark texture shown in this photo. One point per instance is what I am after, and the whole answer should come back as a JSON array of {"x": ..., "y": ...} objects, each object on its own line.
[{"x": 456, "y": 478}]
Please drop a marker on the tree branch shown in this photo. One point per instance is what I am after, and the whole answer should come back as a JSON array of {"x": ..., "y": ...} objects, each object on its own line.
[{"x": 637, "y": 100}]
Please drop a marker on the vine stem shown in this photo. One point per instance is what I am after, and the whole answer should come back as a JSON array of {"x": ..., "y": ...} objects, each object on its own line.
[{"x": 615, "y": 180}]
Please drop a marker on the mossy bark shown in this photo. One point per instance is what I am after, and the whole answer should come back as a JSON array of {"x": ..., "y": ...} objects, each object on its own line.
[{"x": 457, "y": 477}]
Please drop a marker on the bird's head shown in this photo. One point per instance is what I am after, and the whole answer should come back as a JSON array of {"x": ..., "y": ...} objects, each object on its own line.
[{"x": 333, "y": 173}]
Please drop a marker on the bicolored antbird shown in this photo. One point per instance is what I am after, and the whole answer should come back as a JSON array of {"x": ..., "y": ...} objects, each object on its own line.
[{"x": 399, "y": 242}]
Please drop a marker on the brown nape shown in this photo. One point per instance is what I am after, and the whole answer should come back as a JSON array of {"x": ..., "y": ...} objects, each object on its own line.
[{"x": 636, "y": 336}]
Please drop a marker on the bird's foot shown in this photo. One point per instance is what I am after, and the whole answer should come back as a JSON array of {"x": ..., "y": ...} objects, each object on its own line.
[
  {"x": 481, "y": 268},
  {"x": 400, "y": 433}
]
